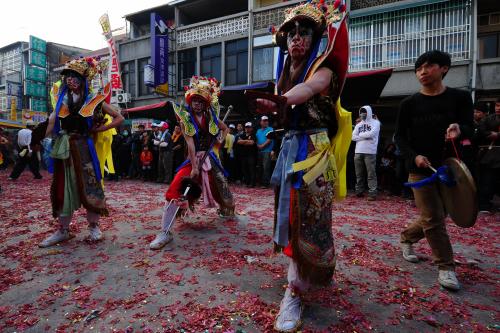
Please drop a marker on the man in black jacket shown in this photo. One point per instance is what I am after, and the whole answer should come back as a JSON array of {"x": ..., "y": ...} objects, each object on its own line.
[
  {"x": 247, "y": 145},
  {"x": 427, "y": 122}
]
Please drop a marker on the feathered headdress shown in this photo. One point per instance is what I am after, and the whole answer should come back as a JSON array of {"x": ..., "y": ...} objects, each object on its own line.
[
  {"x": 319, "y": 12},
  {"x": 87, "y": 67},
  {"x": 207, "y": 88}
]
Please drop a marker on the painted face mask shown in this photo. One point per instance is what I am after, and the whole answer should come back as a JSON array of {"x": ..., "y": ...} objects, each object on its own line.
[
  {"x": 299, "y": 40},
  {"x": 362, "y": 116},
  {"x": 304, "y": 32},
  {"x": 198, "y": 105},
  {"x": 73, "y": 81}
]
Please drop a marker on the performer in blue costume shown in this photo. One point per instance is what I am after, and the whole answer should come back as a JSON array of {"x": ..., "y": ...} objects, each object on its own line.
[{"x": 310, "y": 170}]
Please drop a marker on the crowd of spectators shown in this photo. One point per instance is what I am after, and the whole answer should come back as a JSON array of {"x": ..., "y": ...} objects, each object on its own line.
[{"x": 250, "y": 150}]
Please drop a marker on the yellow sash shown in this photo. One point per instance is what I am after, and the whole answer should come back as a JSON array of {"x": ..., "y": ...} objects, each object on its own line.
[
  {"x": 330, "y": 159},
  {"x": 102, "y": 143}
]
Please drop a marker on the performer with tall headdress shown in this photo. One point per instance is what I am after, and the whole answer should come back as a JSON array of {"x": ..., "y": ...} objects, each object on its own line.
[
  {"x": 80, "y": 117},
  {"x": 202, "y": 172},
  {"x": 310, "y": 170}
]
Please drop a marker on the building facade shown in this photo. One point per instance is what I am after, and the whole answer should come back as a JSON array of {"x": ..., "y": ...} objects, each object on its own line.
[
  {"x": 393, "y": 34},
  {"x": 226, "y": 40},
  {"x": 12, "y": 63},
  {"x": 27, "y": 75},
  {"x": 231, "y": 41}
]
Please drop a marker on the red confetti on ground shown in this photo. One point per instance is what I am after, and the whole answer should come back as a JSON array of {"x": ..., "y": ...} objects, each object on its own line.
[{"x": 221, "y": 275}]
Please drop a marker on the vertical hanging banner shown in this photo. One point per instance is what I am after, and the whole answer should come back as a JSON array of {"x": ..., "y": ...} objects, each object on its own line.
[
  {"x": 114, "y": 70},
  {"x": 159, "y": 53}
]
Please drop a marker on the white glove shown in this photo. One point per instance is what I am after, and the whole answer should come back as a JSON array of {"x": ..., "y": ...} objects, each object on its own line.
[
  {"x": 156, "y": 142},
  {"x": 163, "y": 144}
]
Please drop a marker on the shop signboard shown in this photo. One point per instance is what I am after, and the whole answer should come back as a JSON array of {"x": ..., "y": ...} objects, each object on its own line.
[
  {"x": 35, "y": 89},
  {"x": 36, "y": 74},
  {"x": 38, "y": 44}
]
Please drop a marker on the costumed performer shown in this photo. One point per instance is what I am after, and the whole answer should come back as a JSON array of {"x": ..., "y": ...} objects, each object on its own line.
[
  {"x": 79, "y": 116},
  {"x": 310, "y": 170},
  {"x": 203, "y": 132}
]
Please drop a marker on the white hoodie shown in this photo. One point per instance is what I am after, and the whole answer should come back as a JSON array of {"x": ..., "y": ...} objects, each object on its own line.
[{"x": 366, "y": 133}]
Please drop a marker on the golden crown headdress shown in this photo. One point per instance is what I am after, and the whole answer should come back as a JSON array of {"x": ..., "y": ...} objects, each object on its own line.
[
  {"x": 207, "y": 88},
  {"x": 319, "y": 12},
  {"x": 87, "y": 67}
]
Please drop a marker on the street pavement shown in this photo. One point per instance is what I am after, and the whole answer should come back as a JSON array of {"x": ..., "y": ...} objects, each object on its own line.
[{"x": 220, "y": 275}]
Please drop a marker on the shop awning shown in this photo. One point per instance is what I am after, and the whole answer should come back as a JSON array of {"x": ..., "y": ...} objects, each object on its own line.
[
  {"x": 258, "y": 86},
  {"x": 159, "y": 111}
]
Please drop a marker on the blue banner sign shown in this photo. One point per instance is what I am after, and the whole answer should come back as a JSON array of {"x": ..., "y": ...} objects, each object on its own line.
[{"x": 159, "y": 49}]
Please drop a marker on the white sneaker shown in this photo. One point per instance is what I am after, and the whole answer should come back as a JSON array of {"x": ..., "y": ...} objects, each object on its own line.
[
  {"x": 290, "y": 315},
  {"x": 57, "y": 237},
  {"x": 95, "y": 234},
  {"x": 448, "y": 279},
  {"x": 408, "y": 253},
  {"x": 162, "y": 239}
]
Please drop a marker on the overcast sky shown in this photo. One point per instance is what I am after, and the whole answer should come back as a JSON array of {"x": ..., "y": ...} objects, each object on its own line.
[{"x": 71, "y": 22}]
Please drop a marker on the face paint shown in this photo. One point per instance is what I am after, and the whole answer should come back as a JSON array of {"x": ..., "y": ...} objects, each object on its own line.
[
  {"x": 303, "y": 32},
  {"x": 362, "y": 116},
  {"x": 299, "y": 40},
  {"x": 198, "y": 104},
  {"x": 73, "y": 81}
]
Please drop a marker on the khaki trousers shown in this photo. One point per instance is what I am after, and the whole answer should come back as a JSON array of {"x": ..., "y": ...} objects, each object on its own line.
[{"x": 430, "y": 224}]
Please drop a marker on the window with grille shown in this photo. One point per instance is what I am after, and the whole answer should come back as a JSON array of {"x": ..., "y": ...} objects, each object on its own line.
[
  {"x": 236, "y": 62},
  {"x": 397, "y": 38},
  {"x": 489, "y": 46},
  {"x": 211, "y": 61},
  {"x": 128, "y": 77},
  {"x": 187, "y": 67}
]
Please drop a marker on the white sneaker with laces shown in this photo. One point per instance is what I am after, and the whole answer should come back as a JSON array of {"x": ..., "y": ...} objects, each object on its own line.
[
  {"x": 57, "y": 237},
  {"x": 448, "y": 279},
  {"x": 162, "y": 239},
  {"x": 95, "y": 233},
  {"x": 408, "y": 253},
  {"x": 289, "y": 317}
]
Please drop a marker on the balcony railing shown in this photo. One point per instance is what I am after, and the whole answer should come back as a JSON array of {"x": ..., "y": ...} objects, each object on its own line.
[
  {"x": 396, "y": 39},
  {"x": 231, "y": 25},
  {"x": 226, "y": 27}
]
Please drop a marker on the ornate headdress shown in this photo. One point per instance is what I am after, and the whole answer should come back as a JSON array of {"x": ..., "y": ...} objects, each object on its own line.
[
  {"x": 319, "y": 12},
  {"x": 207, "y": 88},
  {"x": 87, "y": 67}
]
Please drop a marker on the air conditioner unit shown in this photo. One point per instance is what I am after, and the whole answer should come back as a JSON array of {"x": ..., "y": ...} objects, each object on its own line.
[{"x": 123, "y": 98}]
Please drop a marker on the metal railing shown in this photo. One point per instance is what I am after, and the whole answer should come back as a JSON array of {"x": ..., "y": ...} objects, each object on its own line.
[
  {"x": 266, "y": 18},
  {"x": 397, "y": 38},
  {"x": 225, "y": 27}
]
